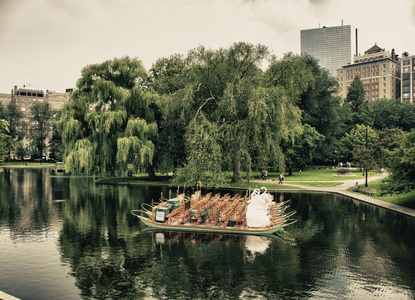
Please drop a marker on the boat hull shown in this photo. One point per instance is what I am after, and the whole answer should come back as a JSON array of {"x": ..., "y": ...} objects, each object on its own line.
[{"x": 211, "y": 228}]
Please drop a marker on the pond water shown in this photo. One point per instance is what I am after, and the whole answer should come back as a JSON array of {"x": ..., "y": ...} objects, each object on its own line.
[{"x": 64, "y": 237}]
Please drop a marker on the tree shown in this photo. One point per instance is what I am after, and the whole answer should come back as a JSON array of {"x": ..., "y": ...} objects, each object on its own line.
[
  {"x": 20, "y": 151},
  {"x": 354, "y": 141},
  {"x": 111, "y": 120},
  {"x": 56, "y": 149},
  {"x": 299, "y": 152},
  {"x": 16, "y": 124},
  {"x": 4, "y": 139},
  {"x": 40, "y": 115},
  {"x": 361, "y": 110},
  {"x": 171, "y": 78},
  {"x": 391, "y": 113},
  {"x": 402, "y": 167},
  {"x": 321, "y": 109},
  {"x": 389, "y": 140},
  {"x": 240, "y": 114}
]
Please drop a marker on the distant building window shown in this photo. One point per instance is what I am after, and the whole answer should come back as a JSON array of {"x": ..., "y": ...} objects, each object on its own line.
[
  {"x": 406, "y": 62},
  {"x": 384, "y": 78},
  {"x": 406, "y": 69}
]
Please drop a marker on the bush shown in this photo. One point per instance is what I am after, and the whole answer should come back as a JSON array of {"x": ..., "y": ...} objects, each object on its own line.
[{"x": 344, "y": 172}]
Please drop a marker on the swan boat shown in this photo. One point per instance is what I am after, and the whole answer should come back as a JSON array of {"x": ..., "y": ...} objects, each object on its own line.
[{"x": 257, "y": 214}]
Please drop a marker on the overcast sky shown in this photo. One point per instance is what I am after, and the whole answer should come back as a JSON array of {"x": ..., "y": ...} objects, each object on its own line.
[{"x": 46, "y": 43}]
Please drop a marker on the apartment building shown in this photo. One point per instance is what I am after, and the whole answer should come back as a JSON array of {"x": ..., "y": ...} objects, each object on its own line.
[
  {"x": 379, "y": 72},
  {"x": 407, "y": 65},
  {"x": 26, "y": 96}
]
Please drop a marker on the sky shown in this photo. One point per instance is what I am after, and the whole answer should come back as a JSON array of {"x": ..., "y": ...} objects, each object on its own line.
[{"x": 45, "y": 44}]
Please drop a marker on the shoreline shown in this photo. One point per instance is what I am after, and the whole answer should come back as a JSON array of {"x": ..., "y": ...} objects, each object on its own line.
[{"x": 292, "y": 186}]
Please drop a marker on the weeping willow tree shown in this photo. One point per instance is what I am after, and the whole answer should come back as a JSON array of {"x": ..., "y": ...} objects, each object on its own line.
[
  {"x": 111, "y": 120},
  {"x": 240, "y": 113},
  {"x": 137, "y": 145}
]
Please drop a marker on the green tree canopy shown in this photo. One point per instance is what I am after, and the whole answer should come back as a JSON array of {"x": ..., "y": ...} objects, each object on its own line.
[
  {"x": 321, "y": 109},
  {"x": 402, "y": 167},
  {"x": 40, "y": 115},
  {"x": 4, "y": 139},
  {"x": 361, "y": 110},
  {"x": 390, "y": 113},
  {"x": 111, "y": 120},
  {"x": 238, "y": 113},
  {"x": 299, "y": 152},
  {"x": 355, "y": 140}
]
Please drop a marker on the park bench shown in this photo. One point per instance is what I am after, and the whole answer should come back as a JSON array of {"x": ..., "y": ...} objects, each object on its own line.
[{"x": 366, "y": 190}]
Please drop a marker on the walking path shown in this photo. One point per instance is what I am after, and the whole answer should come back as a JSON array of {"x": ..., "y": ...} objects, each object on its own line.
[{"x": 342, "y": 190}]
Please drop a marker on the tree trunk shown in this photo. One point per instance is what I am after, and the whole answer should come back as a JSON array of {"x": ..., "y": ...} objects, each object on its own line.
[
  {"x": 151, "y": 173},
  {"x": 290, "y": 171},
  {"x": 236, "y": 167}
]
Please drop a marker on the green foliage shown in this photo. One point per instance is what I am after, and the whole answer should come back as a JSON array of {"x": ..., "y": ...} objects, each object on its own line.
[
  {"x": 248, "y": 111},
  {"x": 321, "y": 109},
  {"x": 20, "y": 151},
  {"x": 402, "y": 167},
  {"x": 361, "y": 110},
  {"x": 17, "y": 127},
  {"x": 300, "y": 150},
  {"x": 81, "y": 159},
  {"x": 56, "y": 149},
  {"x": 390, "y": 113},
  {"x": 4, "y": 139},
  {"x": 344, "y": 171},
  {"x": 354, "y": 141},
  {"x": 204, "y": 155},
  {"x": 113, "y": 113},
  {"x": 389, "y": 140},
  {"x": 136, "y": 146},
  {"x": 41, "y": 116}
]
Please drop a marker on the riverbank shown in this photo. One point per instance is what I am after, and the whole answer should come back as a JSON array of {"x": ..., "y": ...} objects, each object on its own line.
[
  {"x": 336, "y": 186},
  {"x": 300, "y": 182},
  {"x": 345, "y": 188}
]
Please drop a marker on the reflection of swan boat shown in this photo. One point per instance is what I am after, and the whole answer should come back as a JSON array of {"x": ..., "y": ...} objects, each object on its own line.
[{"x": 256, "y": 215}]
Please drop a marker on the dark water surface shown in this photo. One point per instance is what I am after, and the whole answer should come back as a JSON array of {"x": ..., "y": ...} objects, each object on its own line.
[{"x": 64, "y": 237}]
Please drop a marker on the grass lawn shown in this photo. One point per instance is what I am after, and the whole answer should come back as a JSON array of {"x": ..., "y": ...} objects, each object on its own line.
[
  {"x": 317, "y": 175},
  {"x": 407, "y": 199},
  {"x": 24, "y": 164}
]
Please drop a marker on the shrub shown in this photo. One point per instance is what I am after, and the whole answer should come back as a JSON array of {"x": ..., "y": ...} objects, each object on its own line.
[{"x": 344, "y": 172}]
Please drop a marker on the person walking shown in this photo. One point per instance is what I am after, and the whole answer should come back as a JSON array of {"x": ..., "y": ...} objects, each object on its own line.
[{"x": 281, "y": 178}]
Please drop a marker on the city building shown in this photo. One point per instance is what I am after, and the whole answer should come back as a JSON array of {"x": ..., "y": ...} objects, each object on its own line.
[
  {"x": 5, "y": 99},
  {"x": 332, "y": 46},
  {"x": 407, "y": 65},
  {"x": 379, "y": 72},
  {"x": 26, "y": 96}
]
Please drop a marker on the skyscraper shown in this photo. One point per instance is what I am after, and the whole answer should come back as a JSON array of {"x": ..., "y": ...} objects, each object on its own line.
[{"x": 332, "y": 46}]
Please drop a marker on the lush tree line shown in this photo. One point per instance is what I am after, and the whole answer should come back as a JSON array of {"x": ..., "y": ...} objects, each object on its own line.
[
  {"x": 37, "y": 126},
  {"x": 214, "y": 116}
]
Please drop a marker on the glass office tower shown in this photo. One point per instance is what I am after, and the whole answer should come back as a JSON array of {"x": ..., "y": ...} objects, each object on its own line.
[{"x": 332, "y": 46}]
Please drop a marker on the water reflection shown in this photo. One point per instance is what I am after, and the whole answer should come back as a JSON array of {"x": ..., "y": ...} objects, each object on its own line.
[{"x": 68, "y": 236}]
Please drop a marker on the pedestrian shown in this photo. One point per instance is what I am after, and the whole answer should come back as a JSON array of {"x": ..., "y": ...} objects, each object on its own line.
[
  {"x": 281, "y": 178},
  {"x": 356, "y": 187},
  {"x": 265, "y": 174},
  {"x": 262, "y": 174}
]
